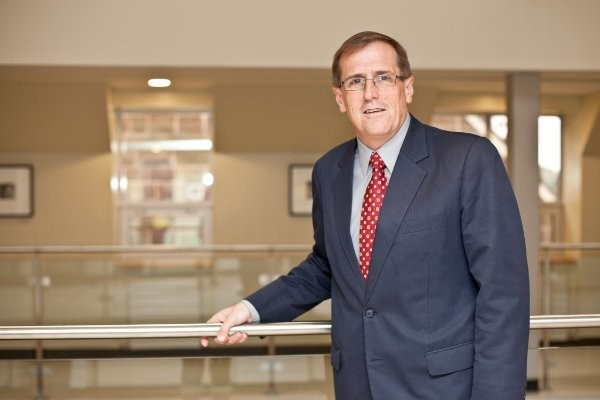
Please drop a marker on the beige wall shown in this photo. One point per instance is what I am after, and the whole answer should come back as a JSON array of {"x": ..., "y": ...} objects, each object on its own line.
[
  {"x": 61, "y": 128},
  {"x": 251, "y": 199},
  {"x": 46, "y": 117},
  {"x": 278, "y": 117},
  {"x": 261, "y": 128},
  {"x": 590, "y": 199},
  {"x": 590, "y": 195},
  {"x": 73, "y": 204},
  {"x": 578, "y": 129}
]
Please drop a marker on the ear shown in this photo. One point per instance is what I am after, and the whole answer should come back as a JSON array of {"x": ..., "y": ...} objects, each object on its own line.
[
  {"x": 338, "y": 93},
  {"x": 409, "y": 89}
]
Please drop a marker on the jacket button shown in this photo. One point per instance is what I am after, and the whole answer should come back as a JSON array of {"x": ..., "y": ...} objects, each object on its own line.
[{"x": 369, "y": 313}]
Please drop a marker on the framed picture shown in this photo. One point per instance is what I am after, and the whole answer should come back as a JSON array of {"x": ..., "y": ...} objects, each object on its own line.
[
  {"x": 16, "y": 191},
  {"x": 300, "y": 189}
]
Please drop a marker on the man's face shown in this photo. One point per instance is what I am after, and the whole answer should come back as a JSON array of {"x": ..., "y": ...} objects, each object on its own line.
[{"x": 375, "y": 113}]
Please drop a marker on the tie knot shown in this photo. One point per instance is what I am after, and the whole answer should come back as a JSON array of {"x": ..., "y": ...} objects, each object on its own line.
[{"x": 376, "y": 162}]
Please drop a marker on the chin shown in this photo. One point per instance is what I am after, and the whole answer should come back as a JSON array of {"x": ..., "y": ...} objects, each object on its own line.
[{"x": 378, "y": 134}]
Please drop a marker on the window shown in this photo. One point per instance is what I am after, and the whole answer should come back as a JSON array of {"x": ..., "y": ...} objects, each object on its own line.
[
  {"x": 163, "y": 176},
  {"x": 549, "y": 157}
]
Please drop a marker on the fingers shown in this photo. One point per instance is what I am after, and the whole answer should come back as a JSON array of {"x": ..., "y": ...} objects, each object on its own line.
[
  {"x": 228, "y": 318},
  {"x": 233, "y": 316},
  {"x": 235, "y": 338},
  {"x": 219, "y": 317}
]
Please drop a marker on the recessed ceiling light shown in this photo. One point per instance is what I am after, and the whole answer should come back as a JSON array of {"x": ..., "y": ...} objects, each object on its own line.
[{"x": 159, "y": 82}]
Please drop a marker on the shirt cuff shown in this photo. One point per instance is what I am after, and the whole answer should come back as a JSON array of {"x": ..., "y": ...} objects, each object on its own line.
[{"x": 254, "y": 314}]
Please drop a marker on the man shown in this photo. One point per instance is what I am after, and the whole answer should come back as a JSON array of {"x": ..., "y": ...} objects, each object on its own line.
[{"x": 437, "y": 306}]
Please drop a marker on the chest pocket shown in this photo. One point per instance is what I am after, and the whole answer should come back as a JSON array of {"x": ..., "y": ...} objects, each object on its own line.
[{"x": 423, "y": 224}]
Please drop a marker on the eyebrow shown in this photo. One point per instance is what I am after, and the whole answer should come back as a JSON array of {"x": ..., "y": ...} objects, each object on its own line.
[{"x": 382, "y": 72}]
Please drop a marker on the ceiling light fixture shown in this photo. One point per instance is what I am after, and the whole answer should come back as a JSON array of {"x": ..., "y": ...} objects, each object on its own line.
[{"x": 159, "y": 82}]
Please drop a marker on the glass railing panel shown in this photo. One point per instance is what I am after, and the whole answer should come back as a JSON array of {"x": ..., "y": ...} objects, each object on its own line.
[
  {"x": 17, "y": 289},
  {"x": 153, "y": 288},
  {"x": 83, "y": 289},
  {"x": 306, "y": 377},
  {"x": 145, "y": 288},
  {"x": 570, "y": 285},
  {"x": 587, "y": 290},
  {"x": 319, "y": 313},
  {"x": 568, "y": 373},
  {"x": 111, "y": 286},
  {"x": 235, "y": 275},
  {"x": 17, "y": 299},
  {"x": 572, "y": 373},
  {"x": 256, "y": 273}
]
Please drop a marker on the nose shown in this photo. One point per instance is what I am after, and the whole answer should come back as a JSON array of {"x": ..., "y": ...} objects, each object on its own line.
[{"x": 370, "y": 91}]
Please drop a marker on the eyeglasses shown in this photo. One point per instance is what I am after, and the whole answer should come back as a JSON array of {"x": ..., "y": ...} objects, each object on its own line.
[{"x": 359, "y": 82}]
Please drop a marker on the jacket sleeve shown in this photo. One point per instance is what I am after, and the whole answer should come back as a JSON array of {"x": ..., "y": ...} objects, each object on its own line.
[
  {"x": 495, "y": 247},
  {"x": 306, "y": 285}
]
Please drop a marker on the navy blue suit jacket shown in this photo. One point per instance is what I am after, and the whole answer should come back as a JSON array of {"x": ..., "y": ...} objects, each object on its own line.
[{"x": 445, "y": 312}]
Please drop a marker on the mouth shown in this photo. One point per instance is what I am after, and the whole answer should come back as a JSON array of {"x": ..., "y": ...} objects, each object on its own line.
[{"x": 373, "y": 111}]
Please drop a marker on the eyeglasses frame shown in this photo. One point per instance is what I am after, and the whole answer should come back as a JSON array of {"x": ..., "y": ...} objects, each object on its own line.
[{"x": 341, "y": 83}]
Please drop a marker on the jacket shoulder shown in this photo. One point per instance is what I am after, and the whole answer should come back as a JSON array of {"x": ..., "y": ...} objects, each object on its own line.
[
  {"x": 453, "y": 143},
  {"x": 337, "y": 155},
  {"x": 449, "y": 137}
]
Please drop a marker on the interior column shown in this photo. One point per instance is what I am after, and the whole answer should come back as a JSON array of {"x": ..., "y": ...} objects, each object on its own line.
[{"x": 523, "y": 104}]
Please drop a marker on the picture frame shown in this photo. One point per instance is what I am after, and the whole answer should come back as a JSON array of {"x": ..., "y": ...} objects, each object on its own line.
[
  {"x": 300, "y": 189},
  {"x": 16, "y": 191}
]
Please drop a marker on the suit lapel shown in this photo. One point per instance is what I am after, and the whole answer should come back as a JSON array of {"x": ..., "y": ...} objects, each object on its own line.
[
  {"x": 342, "y": 192},
  {"x": 403, "y": 186}
]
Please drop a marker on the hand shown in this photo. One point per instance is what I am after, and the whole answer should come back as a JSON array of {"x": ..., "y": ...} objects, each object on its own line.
[{"x": 228, "y": 318}]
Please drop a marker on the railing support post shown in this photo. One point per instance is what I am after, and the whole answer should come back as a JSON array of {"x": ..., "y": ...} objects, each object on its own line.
[
  {"x": 546, "y": 304},
  {"x": 38, "y": 311}
]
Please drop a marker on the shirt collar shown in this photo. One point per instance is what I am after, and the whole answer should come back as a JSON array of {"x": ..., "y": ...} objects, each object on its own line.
[{"x": 388, "y": 152}]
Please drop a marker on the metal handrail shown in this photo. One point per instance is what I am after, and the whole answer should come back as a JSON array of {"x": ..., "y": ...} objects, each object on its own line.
[
  {"x": 564, "y": 321},
  {"x": 223, "y": 248},
  {"x": 569, "y": 246},
  {"x": 159, "y": 249},
  {"x": 211, "y": 330},
  {"x": 158, "y": 330}
]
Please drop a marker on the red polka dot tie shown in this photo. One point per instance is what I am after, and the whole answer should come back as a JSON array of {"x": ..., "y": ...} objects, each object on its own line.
[{"x": 370, "y": 212}]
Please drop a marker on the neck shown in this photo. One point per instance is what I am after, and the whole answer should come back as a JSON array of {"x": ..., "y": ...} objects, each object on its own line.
[{"x": 374, "y": 143}]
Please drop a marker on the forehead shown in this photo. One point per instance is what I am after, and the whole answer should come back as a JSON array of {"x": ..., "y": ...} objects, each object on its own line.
[{"x": 376, "y": 56}]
